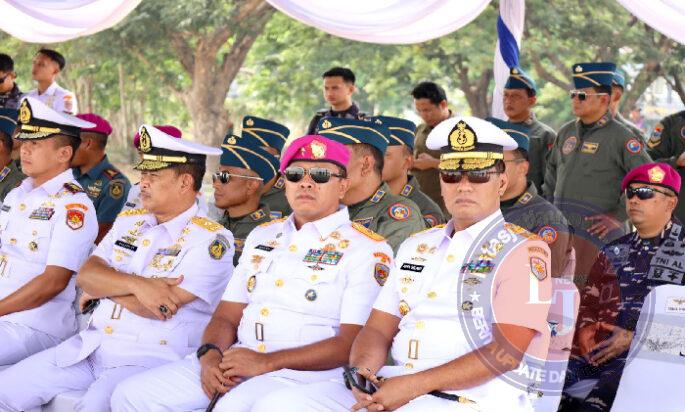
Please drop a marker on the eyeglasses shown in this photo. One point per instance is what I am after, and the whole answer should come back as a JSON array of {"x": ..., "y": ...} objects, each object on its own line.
[
  {"x": 582, "y": 96},
  {"x": 643, "y": 193},
  {"x": 318, "y": 174},
  {"x": 473, "y": 176},
  {"x": 225, "y": 177}
]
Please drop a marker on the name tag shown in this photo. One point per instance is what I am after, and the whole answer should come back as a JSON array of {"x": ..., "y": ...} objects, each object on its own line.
[
  {"x": 264, "y": 248},
  {"x": 412, "y": 267},
  {"x": 125, "y": 245}
]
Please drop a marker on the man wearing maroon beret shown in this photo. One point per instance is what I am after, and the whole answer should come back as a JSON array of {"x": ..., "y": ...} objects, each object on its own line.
[
  {"x": 624, "y": 273},
  {"x": 105, "y": 185}
]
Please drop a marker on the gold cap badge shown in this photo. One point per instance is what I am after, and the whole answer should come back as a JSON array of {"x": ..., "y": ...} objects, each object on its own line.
[
  {"x": 656, "y": 174},
  {"x": 462, "y": 138}
]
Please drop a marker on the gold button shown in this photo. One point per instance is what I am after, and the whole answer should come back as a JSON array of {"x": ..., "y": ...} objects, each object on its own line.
[
  {"x": 22, "y": 206},
  {"x": 313, "y": 278},
  {"x": 409, "y": 365},
  {"x": 292, "y": 248},
  {"x": 279, "y": 283},
  {"x": 261, "y": 347},
  {"x": 420, "y": 324},
  {"x": 118, "y": 258},
  {"x": 146, "y": 242},
  {"x": 432, "y": 295},
  {"x": 450, "y": 258},
  {"x": 404, "y": 290},
  {"x": 109, "y": 330},
  {"x": 13, "y": 241},
  {"x": 264, "y": 312},
  {"x": 34, "y": 233},
  {"x": 162, "y": 342}
]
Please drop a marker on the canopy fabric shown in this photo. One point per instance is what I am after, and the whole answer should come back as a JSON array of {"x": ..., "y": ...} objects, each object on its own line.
[
  {"x": 384, "y": 21},
  {"x": 665, "y": 16},
  {"x": 50, "y": 21}
]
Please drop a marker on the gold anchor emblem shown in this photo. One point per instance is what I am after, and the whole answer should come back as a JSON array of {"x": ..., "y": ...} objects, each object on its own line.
[{"x": 462, "y": 137}]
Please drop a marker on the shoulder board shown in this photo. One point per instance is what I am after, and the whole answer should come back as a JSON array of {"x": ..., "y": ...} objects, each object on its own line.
[
  {"x": 133, "y": 212},
  {"x": 428, "y": 230},
  {"x": 73, "y": 188},
  {"x": 207, "y": 224},
  {"x": 111, "y": 173},
  {"x": 367, "y": 232},
  {"x": 518, "y": 230},
  {"x": 271, "y": 222}
]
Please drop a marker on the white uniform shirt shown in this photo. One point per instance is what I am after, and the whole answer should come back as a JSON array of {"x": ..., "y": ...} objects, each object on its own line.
[
  {"x": 426, "y": 292},
  {"x": 52, "y": 224},
  {"x": 189, "y": 245},
  {"x": 58, "y": 98},
  {"x": 300, "y": 285},
  {"x": 133, "y": 201}
]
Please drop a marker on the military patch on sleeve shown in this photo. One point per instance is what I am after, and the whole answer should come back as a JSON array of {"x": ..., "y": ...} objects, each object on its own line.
[
  {"x": 75, "y": 219},
  {"x": 398, "y": 211},
  {"x": 430, "y": 220},
  {"x": 538, "y": 267},
  {"x": 116, "y": 189},
  {"x": 633, "y": 146},
  {"x": 380, "y": 273},
  {"x": 548, "y": 234},
  {"x": 367, "y": 232},
  {"x": 218, "y": 247}
]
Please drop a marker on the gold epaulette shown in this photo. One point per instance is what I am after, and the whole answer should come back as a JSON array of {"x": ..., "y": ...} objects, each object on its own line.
[
  {"x": 518, "y": 230},
  {"x": 271, "y": 222},
  {"x": 133, "y": 212},
  {"x": 428, "y": 230},
  {"x": 207, "y": 224},
  {"x": 367, "y": 232}
]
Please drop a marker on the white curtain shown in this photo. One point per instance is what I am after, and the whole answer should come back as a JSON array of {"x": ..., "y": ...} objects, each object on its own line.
[
  {"x": 384, "y": 21},
  {"x": 50, "y": 21},
  {"x": 665, "y": 16}
]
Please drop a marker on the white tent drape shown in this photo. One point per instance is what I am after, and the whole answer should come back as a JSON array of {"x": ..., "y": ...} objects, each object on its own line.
[
  {"x": 665, "y": 16},
  {"x": 50, "y": 21},
  {"x": 384, "y": 21}
]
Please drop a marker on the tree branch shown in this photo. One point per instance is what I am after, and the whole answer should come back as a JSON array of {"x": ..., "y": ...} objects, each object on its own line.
[{"x": 184, "y": 52}]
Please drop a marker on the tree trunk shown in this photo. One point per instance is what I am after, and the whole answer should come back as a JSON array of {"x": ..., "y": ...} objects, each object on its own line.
[{"x": 649, "y": 72}]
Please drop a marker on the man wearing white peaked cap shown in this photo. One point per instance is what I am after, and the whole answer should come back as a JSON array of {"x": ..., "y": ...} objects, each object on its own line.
[{"x": 151, "y": 284}]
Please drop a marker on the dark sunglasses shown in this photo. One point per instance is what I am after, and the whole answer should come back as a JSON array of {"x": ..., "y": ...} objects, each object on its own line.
[
  {"x": 318, "y": 174},
  {"x": 582, "y": 96},
  {"x": 643, "y": 193},
  {"x": 473, "y": 176},
  {"x": 225, "y": 177}
]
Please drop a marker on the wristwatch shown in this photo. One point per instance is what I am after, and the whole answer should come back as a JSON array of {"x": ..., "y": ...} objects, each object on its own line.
[{"x": 202, "y": 350}]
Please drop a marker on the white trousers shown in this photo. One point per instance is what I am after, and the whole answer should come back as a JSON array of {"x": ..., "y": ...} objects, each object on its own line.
[
  {"x": 37, "y": 379},
  {"x": 177, "y": 387},
  {"x": 335, "y": 397},
  {"x": 19, "y": 342}
]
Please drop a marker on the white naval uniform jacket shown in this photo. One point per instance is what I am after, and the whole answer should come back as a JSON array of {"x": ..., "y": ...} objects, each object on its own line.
[
  {"x": 52, "y": 224},
  {"x": 447, "y": 304},
  {"x": 57, "y": 98},
  {"x": 300, "y": 285},
  {"x": 190, "y": 245}
]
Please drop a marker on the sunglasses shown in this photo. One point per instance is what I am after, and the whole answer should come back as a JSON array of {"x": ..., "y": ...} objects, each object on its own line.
[
  {"x": 225, "y": 177},
  {"x": 582, "y": 96},
  {"x": 318, "y": 174},
  {"x": 643, "y": 193},
  {"x": 473, "y": 176}
]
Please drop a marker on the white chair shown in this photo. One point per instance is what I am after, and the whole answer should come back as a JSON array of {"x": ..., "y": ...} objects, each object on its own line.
[{"x": 653, "y": 375}]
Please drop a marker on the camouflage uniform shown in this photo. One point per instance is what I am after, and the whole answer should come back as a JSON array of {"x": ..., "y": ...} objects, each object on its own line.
[{"x": 625, "y": 271}]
